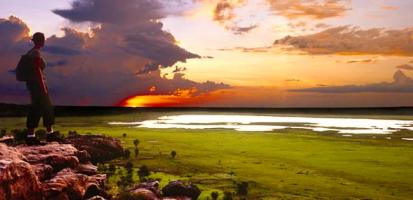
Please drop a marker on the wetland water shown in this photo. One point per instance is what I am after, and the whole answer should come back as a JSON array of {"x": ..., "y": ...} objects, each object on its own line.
[{"x": 270, "y": 123}]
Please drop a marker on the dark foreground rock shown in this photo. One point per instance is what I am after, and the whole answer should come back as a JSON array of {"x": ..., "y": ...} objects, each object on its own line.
[
  {"x": 101, "y": 148},
  {"x": 52, "y": 171},
  {"x": 175, "y": 190},
  {"x": 65, "y": 172},
  {"x": 180, "y": 189}
]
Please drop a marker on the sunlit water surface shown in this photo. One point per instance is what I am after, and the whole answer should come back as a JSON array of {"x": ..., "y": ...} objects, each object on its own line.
[{"x": 270, "y": 123}]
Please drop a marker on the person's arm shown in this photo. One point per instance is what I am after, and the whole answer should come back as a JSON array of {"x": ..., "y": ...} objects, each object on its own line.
[{"x": 39, "y": 72}]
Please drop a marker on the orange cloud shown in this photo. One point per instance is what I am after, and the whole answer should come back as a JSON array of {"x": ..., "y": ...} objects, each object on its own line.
[
  {"x": 350, "y": 40},
  {"x": 315, "y": 9},
  {"x": 390, "y": 8},
  {"x": 361, "y": 61},
  {"x": 405, "y": 67}
]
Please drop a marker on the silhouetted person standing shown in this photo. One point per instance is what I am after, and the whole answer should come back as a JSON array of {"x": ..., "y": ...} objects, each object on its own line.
[{"x": 41, "y": 105}]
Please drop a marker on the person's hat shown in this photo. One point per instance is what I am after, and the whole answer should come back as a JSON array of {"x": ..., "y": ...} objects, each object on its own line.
[{"x": 38, "y": 37}]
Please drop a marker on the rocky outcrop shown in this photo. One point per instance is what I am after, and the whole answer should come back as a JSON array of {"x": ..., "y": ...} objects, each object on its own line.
[
  {"x": 101, "y": 148},
  {"x": 65, "y": 172},
  {"x": 174, "y": 190},
  {"x": 179, "y": 189},
  {"x": 51, "y": 171},
  {"x": 69, "y": 184}
]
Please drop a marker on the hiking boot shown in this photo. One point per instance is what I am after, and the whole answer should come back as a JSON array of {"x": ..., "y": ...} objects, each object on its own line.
[
  {"x": 33, "y": 141},
  {"x": 53, "y": 137}
]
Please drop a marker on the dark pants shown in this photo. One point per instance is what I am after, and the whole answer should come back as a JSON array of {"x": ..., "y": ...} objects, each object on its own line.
[{"x": 41, "y": 106}]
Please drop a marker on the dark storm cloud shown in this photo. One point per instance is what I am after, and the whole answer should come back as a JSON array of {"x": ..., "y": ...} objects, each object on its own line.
[
  {"x": 157, "y": 45},
  {"x": 60, "y": 50},
  {"x": 13, "y": 33},
  {"x": 133, "y": 25},
  {"x": 57, "y": 63},
  {"x": 179, "y": 69},
  {"x": 112, "y": 11},
  {"x": 401, "y": 84},
  {"x": 100, "y": 67}
]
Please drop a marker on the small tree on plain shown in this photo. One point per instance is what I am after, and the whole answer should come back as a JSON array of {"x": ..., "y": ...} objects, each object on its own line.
[
  {"x": 126, "y": 153},
  {"x": 242, "y": 188},
  {"x": 143, "y": 172},
  {"x": 227, "y": 195},
  {"x": 112, "y": 168},
  {"x": 173, "y": 154},
  {"x": 129, "y": 166},
  {"x": 214, "y": 195},
  {"x": 136, "y": 152},
  {"x": 136, "y": 143}
]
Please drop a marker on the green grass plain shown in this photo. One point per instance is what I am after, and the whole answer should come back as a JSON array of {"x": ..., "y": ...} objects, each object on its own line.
[{"x": 282, "y": 164}]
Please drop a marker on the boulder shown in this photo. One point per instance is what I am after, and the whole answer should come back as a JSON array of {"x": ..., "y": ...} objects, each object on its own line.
[
  {"x": 101, "y": 148},
  {"x": 88, "y": 169},
  {"x": 51, "y": 171},
  {"x": 178, "y": 189},
  {"x": 143, "y": 194},
  {"x": 17, "y": 177},
  {"x": 67, "y": 184},
  {"x": 18, "y": 181},
  {"x": 59, "y": 156},
  {"x": 9, "y": 140},
  {"x": 147, "y": 190}
]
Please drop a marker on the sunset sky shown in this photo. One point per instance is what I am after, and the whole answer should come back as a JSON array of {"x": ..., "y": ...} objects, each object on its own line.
[{"x": 234, "y": 53}]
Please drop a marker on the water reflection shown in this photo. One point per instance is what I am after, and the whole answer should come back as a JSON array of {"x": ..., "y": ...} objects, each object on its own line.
[{"x": 270, "y": 123}]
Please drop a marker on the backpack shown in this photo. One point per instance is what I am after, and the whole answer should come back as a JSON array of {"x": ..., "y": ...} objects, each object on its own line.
[{"x": 25, "y": 68}]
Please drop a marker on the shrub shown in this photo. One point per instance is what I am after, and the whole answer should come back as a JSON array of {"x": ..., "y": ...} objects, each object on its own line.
[
  {"x": 125, "y": 181},
  {"x": 126, "y": 153},
  {"x": 173, "y": 154},
  {"x": 124, "y": 135},
  {"x": 129, "y": 166},
  {"x": 136, "y": 152},
  {"x": 214, "y": 195},
  {"x": 126, "y": 195},
  {"x": 112, "y": 168},
  {"x": 227, "y": 196},
  {"x": 136, "y": 143},
  {"x": 242, "y": 188},
  {"x": 41, "y": 134},
  {"x": 143, "y": 172},
  {"x": 72, "y": 134},
  {"x": 19, "y": 134},
  {"x": 3, "y": 132},
  {"x": 102, "y": 168}
]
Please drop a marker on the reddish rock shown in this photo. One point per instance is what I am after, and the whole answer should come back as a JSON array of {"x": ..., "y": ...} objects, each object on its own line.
[
  {"x": 43, "y": 171},
  {"x": 147, "y": 190},
  {"x": 143, "y": 194},
  {"x": 17, "y": 178},
  {"x": 52, "y": 171},
  {"x": 178, "y": 189},
  {"x": 83, "y": 156},
  {"x": 67, "y": 184},
  {"x": 88, "y": 169},
  {"x": 9, "y": 140},
  {"x": 101, "y": 148}
]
